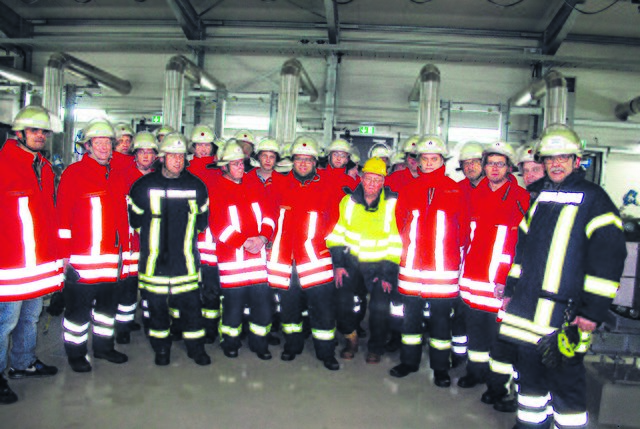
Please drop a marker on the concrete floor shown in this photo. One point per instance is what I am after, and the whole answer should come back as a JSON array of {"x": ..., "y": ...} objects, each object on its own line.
[{"x": 240, "y": 393}]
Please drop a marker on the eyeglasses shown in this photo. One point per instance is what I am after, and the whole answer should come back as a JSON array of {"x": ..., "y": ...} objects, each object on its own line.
[
  {"x": 557, "y": 158},
  {"x": 340, "y": 155},
  {"x": 499, "y": 164}
]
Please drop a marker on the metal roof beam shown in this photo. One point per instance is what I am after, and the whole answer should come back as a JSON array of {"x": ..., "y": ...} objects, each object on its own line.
[
  {"x": 12, "y": 24},
  {"x": 331, "y": 11},
  {"x": 559, "y": 27},
  {"x": 188, "y": 18}
]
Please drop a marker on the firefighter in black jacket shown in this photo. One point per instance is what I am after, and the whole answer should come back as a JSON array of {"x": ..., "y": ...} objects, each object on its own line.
[
  {"x": 168, "y": 208},
  {"x": 569, "y": 259}
]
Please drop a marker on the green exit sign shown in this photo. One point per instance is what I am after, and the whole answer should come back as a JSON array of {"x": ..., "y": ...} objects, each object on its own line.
[
  {"x": 156, "y": 119},
  {"x": 367, "y": 130}
]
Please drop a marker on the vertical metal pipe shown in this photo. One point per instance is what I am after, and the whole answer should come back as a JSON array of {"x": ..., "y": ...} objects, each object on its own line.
[
  {"x": 273, "y": 113},
  {"x": 173, "y": 98},
  {"x": 52, "y": 97},
  {"x": 287, "y": 105},
  {"x": 66, "y": 149},
  {"x": 221, "y": 111},
  {"x": 330, "y": 99},
  {"x": 555, "y": 111},
  {"x": 429, "y": 109}
]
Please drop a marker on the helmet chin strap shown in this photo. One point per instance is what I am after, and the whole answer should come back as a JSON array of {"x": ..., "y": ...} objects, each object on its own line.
[{"x": 23, "y": 141}]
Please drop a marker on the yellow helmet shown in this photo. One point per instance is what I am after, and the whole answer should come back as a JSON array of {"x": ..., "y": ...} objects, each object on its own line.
[
  {"x": 501, "y": 148},
  {"x": 144, "y": 140},
  {"x": 305, "y": 145},
  {"x": 559, "y": 139},
  {"x": 471, "y": 150},
  {"x": 232, "y": 152},
  {"x": 410, "y": 144},
  {"x": 380, "y": 150},
  {"x": 432, "y": 144},
  {"x": 173, "y": 143},
  {"x": 375, "y": 166},
  {"x": 36, "y": 117}
]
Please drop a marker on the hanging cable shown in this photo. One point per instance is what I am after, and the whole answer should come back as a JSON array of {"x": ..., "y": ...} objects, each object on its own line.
[
  {"x": 505, "y": 5},
  {"x": 584, "y": 12}
]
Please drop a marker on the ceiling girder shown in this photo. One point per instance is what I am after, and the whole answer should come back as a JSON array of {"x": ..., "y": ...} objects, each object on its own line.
[
  {"x": 12, "y": 24},
  {"x": 188, "y": 18},
  {"x": 331, "y": 12},
  {"x": 559, "y": 27}
]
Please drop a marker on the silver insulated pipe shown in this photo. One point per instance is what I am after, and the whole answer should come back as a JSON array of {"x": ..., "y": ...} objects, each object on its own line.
[
  {"x": 178, "y": 68},
  {"x": 630, "y": 108},
  {"x": 19, "y": 76},
  {"x": 554, "y": 86},
  {"x": 53, "y": 85},
  {"x": 293, "y": 77},
  {"x": 427, "y": 91}
]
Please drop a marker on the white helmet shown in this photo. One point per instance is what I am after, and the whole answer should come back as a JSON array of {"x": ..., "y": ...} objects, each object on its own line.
[
  {"x": 339, "y": 145},
  {"x": 409, "y": 146},
  {"x": 558, "y": 139},
  {"x": 232, "y": 152},
  {"x": 397, "y": 158},
  {"x": 173, "y": 143},
  {"x": 501, "y": 148},
  {"x": 284, "y": 166},
  {"x": 527, "y": 152},
  {"x": 123, "y": 130},
  {"x": 305, "y": 145},
  {"x": 355, "y": 154},
  {"x": 245, "y": 136},
  {"x": 36, "y": 117},
  {"x": 380, "y": 150},
  {"x": 471, "y": 150},
  {"x": 432, "y": 144},
  {"x": 98, "y": 128},
  {"x": 144, "y": 140},
  {"x": 267, "y": 145},
  {"x": 202, "y": 134},
  {"x": 164, "y": 130}
]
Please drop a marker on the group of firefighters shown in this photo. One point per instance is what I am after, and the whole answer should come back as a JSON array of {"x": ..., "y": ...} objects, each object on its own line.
[{"x": 215, "y": 247}]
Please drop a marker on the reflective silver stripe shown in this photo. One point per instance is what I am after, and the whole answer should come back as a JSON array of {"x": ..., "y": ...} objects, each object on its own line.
[
  {"x": 64, "y": 233},
  {"x": 230, "y": 331},
  {"x": 123, "y": 318},
  {"x": 441, "y": 232},
  {"x": 28, "y": 234},
  {"x": 155, "y": 204},
  {"x": 291, "y": 328},
  {"x": 235, "y": 224},
  {"x": 75, "y": 339},
  {"x": 188, "y": 238},
  {"x": 177, "y": 193},
  {"x": 78, "y": 329},
  {"x": 429, "y": 274},
  {"x": 603, "y": 220},
  {"x": 96, "y": 225},
  {"x": 318, "y": 278},
  {"x": 389, "y": 214},
  {"x": 500, "y": 367},
  {"x": 137, "y": 210},
  {"x": 260, "y": 331},
  {"x": 21, "y": 273},
  {"x": 532, "y": 417},
  {"x": 533, "y": 401},
  {"x": 515, "y": 271},
  {"x": 600, "y": 286},
  {"x": 323, "y": 335},
  {"x": 251, "y": 263},
  {"x": 311, "y": 233},
  {"x": 397, "y": 310},
  {"x": 558, "y": 249},
  {"x": 412, "y": 339},
  {"x": 192, "y": 335},
  {"x": 574, "y": 419},
  {"x": 348, "y": 211},
  {"x": 158, "y": 334},
  {"x": 480, "y": 357},
  {"x": 255, "y": 207},
  {"x": 439, "y": 344},
  {"x": 275, "y": 249},
  {"x": 102, "y": 318},
  {"x": 411, "y": 249},
  {"x": 561, "y": 197},
  {"x": 102, "y": 331},
  {"x": 127, "y": 308},
  {"x": 497, "y": 257}
]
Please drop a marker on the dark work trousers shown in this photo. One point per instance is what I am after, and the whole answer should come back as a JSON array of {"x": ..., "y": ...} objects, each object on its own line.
[
  {"x": 482, "y": 330},
  {"x": 188, "y": 304},
  {"x": 459, "y": 329},
  {"x": 85, "y": 302},
  {"x": 379, "y": 320},
  {"x": 503, "y": 356},
  {"x": 566, "y": 384},
  {"x": 439, "y": 331},
  {"x": 258, "y": 299},
  {"x": 361, "y": 290},
  {"x": 127, "y": 303},
  {"x": 320, "y": 302},
  {"x": 210, "y": 296}
]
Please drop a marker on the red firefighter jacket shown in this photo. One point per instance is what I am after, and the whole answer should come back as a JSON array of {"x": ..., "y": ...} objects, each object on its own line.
[
  {"x": 90, "y": 219},
  {"x": 337, "y": 179},
  {"x": 396, "y": 181},
  {"x": 302, "y": 225},
  {"x": 209, "y": 176},
  {"x": 495, "y": 217},
  {"x": 242, "y": 210},
  {"x": 198, "y": 166},
  {"x": 120, "y": 161},
  {"x": 433, "y": 221},
  {"x": 30, "y": 263}
]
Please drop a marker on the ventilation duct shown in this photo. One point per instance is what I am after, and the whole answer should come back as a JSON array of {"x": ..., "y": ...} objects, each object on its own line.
[
  {"x": 427, "y": 91},
  {"x": 554, "y": 86},
  {"x": 178, "y": 68},
  {"x": 19, "y": 76},
  {"x": 293, "y": 78},
  {"x": 52, "y": 93},
  {"x": 630, "y": 108}
]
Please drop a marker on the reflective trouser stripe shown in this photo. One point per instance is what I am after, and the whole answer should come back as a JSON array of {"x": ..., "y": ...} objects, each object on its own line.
[
  {"x": 260, "y": 331},
  {"x": 230, "y": 331},
  {"x": 412, "y": 339},
  {"x": 174, "y": 312},
  {"x": 500, "y": 367},
  {"x": 74, "y": 333},
  {"x": 323, "y": 335},
  {"x": 533, "y": 409},
  {"x": 291, "y": 328},
  {"x": 193, "y": 335},
  {"x": 210, "y": 314},
  {"x": 479, "y": 357},
  {"x": 440, "y": 344},
  {"x": 158, "y": 334},
  {"x": 573, "y": 420}
]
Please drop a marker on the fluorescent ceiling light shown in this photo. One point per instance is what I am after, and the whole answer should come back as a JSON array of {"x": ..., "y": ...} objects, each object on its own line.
[
  {"x": 85, "y": 115},
  {"x": 480, "y": 135},
  {"x": 254, "y": 123}
]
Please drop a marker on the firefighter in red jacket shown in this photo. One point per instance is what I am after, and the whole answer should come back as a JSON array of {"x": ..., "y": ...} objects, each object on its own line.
[
  {"x": 401, "y": 178},
  {"x": 145, "y": 152},
  {"x": 300, "y": 263},
  {"x": 121, "y": 157},
  {"x": 242, "y": 224},
  {"x": 433, "y": 223},
  {"x": 92, "y": 236},
  {"x": 205, "y": 148},
  {"x": 30, "y": 263},
  {"x": 498, "y": 204}
]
